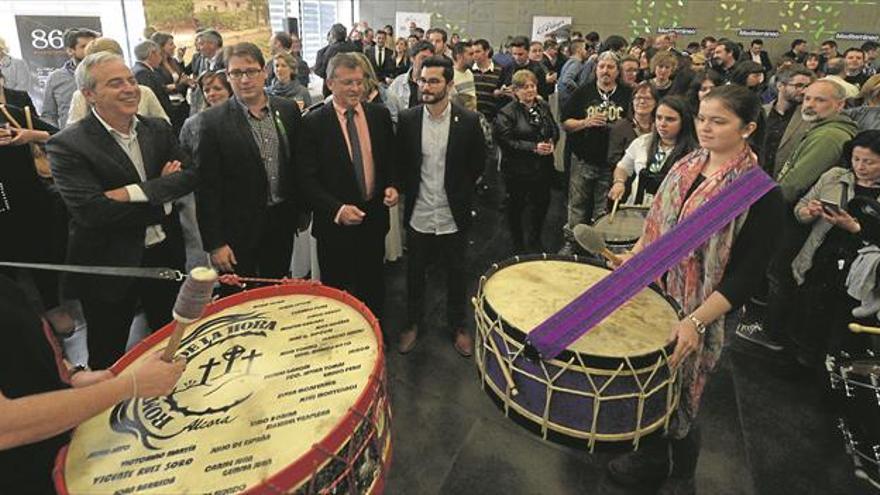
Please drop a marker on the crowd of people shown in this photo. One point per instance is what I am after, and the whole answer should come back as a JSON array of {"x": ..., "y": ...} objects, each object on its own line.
[{"x": 224, "y": 158}]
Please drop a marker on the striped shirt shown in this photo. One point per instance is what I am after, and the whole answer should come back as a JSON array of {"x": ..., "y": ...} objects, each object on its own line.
[{"x": 486, "y": 82}]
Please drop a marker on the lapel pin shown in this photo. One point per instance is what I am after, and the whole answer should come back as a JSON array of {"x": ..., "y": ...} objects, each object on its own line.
[{"x": 455, "y": 119}]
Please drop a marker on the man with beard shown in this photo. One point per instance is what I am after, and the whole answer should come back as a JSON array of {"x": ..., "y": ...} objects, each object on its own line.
[
  {"x": 442, "y": 154},
  {"x": 587, "y": 118},
  {"x": 61, "y": 84},
  {"x": 726, "y": 54},
  {"x": 785, "y": 109},
  {"x": 819, "y": 150}
]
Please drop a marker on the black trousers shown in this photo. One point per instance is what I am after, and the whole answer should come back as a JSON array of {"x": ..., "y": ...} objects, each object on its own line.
[
  {"x": 448, "y": 249},
  {"x": 270, "y": 256},
  {"x": 521, "y": 193},
  {"x": 352, "y": 260},
  {"x": 109, "y": 320}
]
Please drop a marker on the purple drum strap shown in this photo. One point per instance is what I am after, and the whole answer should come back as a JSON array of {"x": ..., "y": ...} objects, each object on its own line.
[{"x": 577, "y": 318}]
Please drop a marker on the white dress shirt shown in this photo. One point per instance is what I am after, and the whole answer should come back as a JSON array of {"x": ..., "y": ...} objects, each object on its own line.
[
  {"x": 431, "y": 214},
  {"x": 129, "y": 144}
]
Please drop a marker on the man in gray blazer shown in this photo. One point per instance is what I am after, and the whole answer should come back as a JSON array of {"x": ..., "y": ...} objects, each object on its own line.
[{"x": 118, "y": 174}]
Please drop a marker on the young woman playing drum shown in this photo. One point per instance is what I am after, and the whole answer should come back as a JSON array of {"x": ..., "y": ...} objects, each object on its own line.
[
  {"x": 711, "y": 281},
  {"x": 650, "y": 156}
]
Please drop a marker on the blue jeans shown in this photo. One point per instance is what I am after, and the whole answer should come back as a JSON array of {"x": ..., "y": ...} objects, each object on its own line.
[{"x": 588, "y": 187}]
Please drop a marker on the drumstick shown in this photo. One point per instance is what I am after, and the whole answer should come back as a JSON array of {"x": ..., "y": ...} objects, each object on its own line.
[
  {"x": 194, "y": 294},
  {"x": 591, "y": 240},
  {"x": 613, "y": 210},
  {"x": 856, "y": 328},
  {"x": 501, "y": 364}
]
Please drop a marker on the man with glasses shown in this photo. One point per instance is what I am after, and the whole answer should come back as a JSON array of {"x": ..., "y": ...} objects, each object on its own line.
[
  {"x": 783, "y": 114},
  {"x": 442, "y": 154},
  {"x": 347, "y": 173},
  {"x": 245, "y": 152}
]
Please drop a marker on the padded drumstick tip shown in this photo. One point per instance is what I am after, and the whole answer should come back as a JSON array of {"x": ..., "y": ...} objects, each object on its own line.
[
  {"x": 591, "y": 240},
  {"x": 195, "y": 294}
]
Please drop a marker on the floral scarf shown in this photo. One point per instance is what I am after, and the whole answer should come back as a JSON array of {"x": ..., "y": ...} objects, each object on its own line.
[{"x": 696, "y": 276}]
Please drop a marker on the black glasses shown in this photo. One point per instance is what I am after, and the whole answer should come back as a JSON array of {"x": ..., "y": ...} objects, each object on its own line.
[{"x": 238, "y": 74}]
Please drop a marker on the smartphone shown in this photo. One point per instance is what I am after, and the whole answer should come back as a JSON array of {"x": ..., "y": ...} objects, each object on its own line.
[{"x": 830, "y": 207}]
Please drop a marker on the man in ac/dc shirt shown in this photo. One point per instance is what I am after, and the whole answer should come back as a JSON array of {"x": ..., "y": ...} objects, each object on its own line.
[{"x": 587, "y": 118}]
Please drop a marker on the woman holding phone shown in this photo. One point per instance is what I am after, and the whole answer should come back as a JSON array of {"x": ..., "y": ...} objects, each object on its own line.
[{"x": 823, "y": 263}]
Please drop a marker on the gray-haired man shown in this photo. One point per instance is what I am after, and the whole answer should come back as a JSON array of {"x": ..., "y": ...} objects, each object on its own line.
[
  {"x": 149, "y": 57},
  {"x": 118, "y": 174}
]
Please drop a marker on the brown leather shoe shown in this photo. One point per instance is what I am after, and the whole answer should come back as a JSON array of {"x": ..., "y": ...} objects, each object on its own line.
[
  {"x": 464, "y": 343},
  {"x": 407, "y": 340}
]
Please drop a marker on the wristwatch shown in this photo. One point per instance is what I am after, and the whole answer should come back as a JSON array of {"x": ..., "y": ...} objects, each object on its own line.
[{"x": 700, "y": 326}]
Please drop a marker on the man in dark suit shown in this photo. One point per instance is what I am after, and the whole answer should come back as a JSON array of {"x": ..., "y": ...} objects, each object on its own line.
[
  {"x": 347, "y": 175},
  {"x": 443, "y": 153},
  {"x": 381, "y": 58},
  {"x": 209, "y": 55},
  {"x": 759, "y": 55},
  {"x": 336, "y": 43},
  {"x": 148, "y": 60},
  {"x": 118, "y": 174},
  {"x": 245, "y": 153}
]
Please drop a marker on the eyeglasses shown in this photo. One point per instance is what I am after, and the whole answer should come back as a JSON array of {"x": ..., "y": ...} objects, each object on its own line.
[{"x": 238, "y": 74}]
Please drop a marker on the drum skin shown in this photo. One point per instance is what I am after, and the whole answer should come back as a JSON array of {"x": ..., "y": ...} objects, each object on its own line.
[
  {"x": 306, "y": 411},
  {"x": 624, "y": 232},
  {"x": 612, "y": 385}
]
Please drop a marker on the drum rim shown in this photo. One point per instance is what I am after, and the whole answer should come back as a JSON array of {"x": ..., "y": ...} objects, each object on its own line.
[
  {"x": 622, "y": 242},
  {"x": 601, "y": 362},
  {"x": 302, "y": 469}
]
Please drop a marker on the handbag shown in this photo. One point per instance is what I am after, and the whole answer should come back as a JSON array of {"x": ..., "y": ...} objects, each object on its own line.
[{"x": 41, "y": 160}]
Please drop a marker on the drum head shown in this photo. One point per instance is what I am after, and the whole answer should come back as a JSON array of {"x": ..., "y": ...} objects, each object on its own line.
[
  {"x": 527, "y": 293},
  {"x": 627, "y": 226},
  {"x": 272, "y": 374}
]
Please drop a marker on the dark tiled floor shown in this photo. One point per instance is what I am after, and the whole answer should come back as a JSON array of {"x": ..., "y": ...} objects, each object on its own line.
[{"x": 767, "y": 429}]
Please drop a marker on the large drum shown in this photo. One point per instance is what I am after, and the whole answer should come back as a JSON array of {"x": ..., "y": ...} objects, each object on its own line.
[
  {"x": 623, "y": 233},
  {"x": 614, "y": 384},
  {"x": 284, "y": 392},
  {"x": 856, "y": 384}
]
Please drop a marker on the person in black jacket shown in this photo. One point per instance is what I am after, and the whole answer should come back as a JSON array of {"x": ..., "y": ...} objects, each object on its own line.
[
  {"x": 245, "y": 154},
  {"x": 146, "y": 71},
  {"x": 347, "y": 172},
  {"x": 527, "y": 134},
  {"x": 442, "y": 154},
  {"x": 519, "y": 49},
  {"x": 336, "y": 44},
  {"x": 118, "y": 174}
]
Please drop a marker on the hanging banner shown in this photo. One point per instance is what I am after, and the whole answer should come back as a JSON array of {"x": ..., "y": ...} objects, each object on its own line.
[
  {"x": 758, "y": 33},
  {"x": 846, "y": 35},
  {"x": 545, "y": 25},
  {"x": 684, "y": 31},
  {"x": 42, "y": 43},
  {"x": 405, "y": 21}
]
